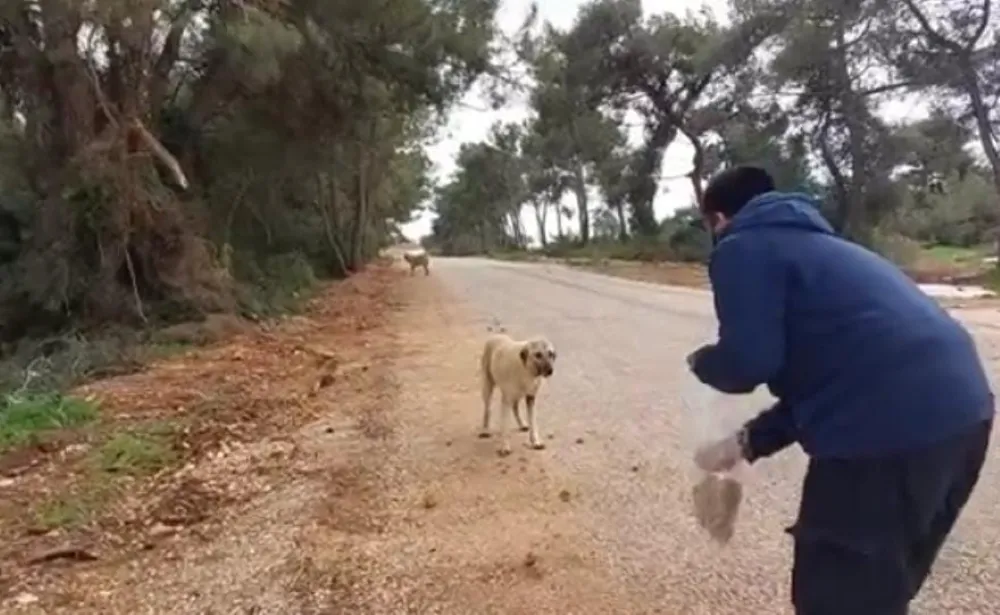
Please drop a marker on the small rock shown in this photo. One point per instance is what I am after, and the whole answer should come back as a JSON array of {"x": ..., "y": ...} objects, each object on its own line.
[
  {"x": 75, "y": 449},
  {"x": 25, "y": 598},
  {"x": 430, "y": 501},
  {"x": 7, "y": 482},
  {"x": 579, "y": 440},
  {"x": 325, "y": 381},
  {"x": 530, "y": 560},
  {"x": 447, "y": 443},
  {"x": 635, "y": 468},
  {"x": 565, "y": 495},
  {"x": 551, "y": 436},
  {"x": 329, "y": 430},
  {"x": 161, "y": 529}
]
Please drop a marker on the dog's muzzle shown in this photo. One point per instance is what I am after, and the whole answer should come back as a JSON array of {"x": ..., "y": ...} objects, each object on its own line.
[{"x": 547, "y": 370}]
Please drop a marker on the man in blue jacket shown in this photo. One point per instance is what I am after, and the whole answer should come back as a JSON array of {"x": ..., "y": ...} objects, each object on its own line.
[{"x": 878, "y": 384}]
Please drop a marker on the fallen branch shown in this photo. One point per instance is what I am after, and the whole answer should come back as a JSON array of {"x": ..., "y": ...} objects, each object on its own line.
[
  {"x": 160, "y": 152},
  {"x": 135, "y": 286}
]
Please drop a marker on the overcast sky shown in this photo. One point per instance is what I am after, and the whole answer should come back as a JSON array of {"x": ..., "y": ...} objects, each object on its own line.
[{"x": 471, "y": 120}]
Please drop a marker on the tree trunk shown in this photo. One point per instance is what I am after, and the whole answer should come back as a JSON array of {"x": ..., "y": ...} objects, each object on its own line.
[
  {"x": 644, "y": 184},
  {"x": 541, "y": 209},
  {"x": 855, "y": 218},
  {"x": 619, "y": 208},
  {"x": 583, "y": 207},
  {"x": 327, "y": 198},
  {"x": 985, "y": 129},
  {"x": 697, "y": 166},
  {"x": 559, "y": 226}
]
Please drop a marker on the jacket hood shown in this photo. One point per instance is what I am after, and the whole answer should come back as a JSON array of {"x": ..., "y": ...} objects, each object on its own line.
[{"x": 780, "y": 209}]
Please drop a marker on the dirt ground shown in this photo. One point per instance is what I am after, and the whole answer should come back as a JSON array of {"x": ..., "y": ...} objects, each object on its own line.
[{"x": 303, "y": 478}]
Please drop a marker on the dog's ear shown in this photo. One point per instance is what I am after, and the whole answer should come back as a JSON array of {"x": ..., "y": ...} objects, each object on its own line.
[{"x": 524, "y": 355}]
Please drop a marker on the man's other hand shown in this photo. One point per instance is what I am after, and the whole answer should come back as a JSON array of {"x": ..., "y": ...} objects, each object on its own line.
[{"x": 720, "y": 456}]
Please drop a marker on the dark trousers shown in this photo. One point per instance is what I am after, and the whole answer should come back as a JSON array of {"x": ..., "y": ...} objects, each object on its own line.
[{"x": 869, "y": 530}]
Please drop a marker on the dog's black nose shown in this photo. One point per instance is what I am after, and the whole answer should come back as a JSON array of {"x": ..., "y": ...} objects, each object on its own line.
[{"x": 548, "y": 370}]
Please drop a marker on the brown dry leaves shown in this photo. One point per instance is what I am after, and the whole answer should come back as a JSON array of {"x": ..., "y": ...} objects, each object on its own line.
[{"x": 221, "y": 402}]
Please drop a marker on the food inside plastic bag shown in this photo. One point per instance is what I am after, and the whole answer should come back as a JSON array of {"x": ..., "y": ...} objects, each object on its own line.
[
  {"x": 716, "y": 496},
  {"x": 716, "y": 503}
]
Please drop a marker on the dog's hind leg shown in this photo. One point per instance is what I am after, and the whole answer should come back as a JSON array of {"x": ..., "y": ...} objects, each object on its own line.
[
  {"x": 536, "y": 442},
  {"x": 427, "y": 269},
  {"x": 508, "y": 406},
  {"x": 517, "y": 416},
  {"x": 487, "y": 395}
]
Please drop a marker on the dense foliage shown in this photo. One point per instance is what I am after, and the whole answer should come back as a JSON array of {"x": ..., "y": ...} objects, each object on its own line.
[
  {"x": 161, "y": 158},
  {"x": 799, "y": 86}
]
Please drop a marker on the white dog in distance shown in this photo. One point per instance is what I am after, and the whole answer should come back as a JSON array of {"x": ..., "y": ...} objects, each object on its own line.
[{"x": 517, "y": 368}]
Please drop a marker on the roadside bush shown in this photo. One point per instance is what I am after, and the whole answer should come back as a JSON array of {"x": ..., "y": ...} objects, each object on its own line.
[
  {"x": 899, "y": 249},
  {"x": 273, "y": 285}
]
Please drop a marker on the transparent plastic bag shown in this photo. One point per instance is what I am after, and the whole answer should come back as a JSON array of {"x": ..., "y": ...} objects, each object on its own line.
[{"x": 715, "y": 496}]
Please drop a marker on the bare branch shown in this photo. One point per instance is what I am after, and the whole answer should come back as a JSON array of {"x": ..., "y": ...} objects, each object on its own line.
[
  {"x": 932, "y": 35},
  {"x": 160, "y": 152},
  {"x": 983, "y": 23}
]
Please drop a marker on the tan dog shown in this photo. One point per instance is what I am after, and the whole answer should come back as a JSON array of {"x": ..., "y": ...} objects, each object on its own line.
[
  {"x": 418, "y": 259},
  {"x": 517, "y": 368}
]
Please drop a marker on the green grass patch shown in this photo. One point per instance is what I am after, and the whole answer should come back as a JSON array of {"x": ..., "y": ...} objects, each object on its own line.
[
  {"x": 26, "y": 418},
  {"x": 279, "y": 284},
  {"x": 63, "y": 512},
  {"x": 955, "y": 254},
  {"x": 73, "y": 508},
  {"x": 137, "y": 452}
]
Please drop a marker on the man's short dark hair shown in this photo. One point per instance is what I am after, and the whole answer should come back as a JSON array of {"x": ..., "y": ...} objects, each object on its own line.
[{"x": 733, "y": 188}]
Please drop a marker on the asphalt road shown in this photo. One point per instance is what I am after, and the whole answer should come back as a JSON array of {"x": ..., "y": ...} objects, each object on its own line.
[{"x": 621, "y": 380}]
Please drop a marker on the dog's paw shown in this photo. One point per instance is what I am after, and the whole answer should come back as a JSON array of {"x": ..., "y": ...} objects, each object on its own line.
[
  {"x": 523, "y": 429},
  {"x": 538, "y": 446},
  {"x": 503, "y": 451},
  {"x": 484, "y": 434}
]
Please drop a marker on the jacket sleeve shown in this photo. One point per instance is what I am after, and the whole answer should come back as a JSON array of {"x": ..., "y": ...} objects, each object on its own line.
[
  {"x": 769, "y": 432},
  {"x": 749, "y": 289}
]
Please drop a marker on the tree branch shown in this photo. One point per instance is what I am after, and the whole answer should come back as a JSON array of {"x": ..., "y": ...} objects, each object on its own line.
[
  {"x": 161, "y": 153},
  {"x": 983, "y": 23},
  {"x": 932, "y": 35}
]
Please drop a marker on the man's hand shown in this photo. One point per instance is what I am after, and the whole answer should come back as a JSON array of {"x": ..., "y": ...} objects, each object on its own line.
[{"x": 720, "y": 456}]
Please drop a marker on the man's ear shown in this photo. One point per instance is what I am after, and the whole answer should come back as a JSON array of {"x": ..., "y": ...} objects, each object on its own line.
[{"x": 524, "y": 355}]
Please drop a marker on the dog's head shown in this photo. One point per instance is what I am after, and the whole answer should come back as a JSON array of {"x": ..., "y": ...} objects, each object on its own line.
[{"x": 539, "y": 356}]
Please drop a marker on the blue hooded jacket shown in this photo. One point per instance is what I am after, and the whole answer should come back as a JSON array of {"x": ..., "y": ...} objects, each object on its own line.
[{"x": 862, "y": 361}]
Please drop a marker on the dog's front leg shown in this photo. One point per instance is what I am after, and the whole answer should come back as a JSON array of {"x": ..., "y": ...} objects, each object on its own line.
[
  {"x": 517, "y": 417},
  {"x": 508, "y": 407},
  {"x": 536, "y": 442}
]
